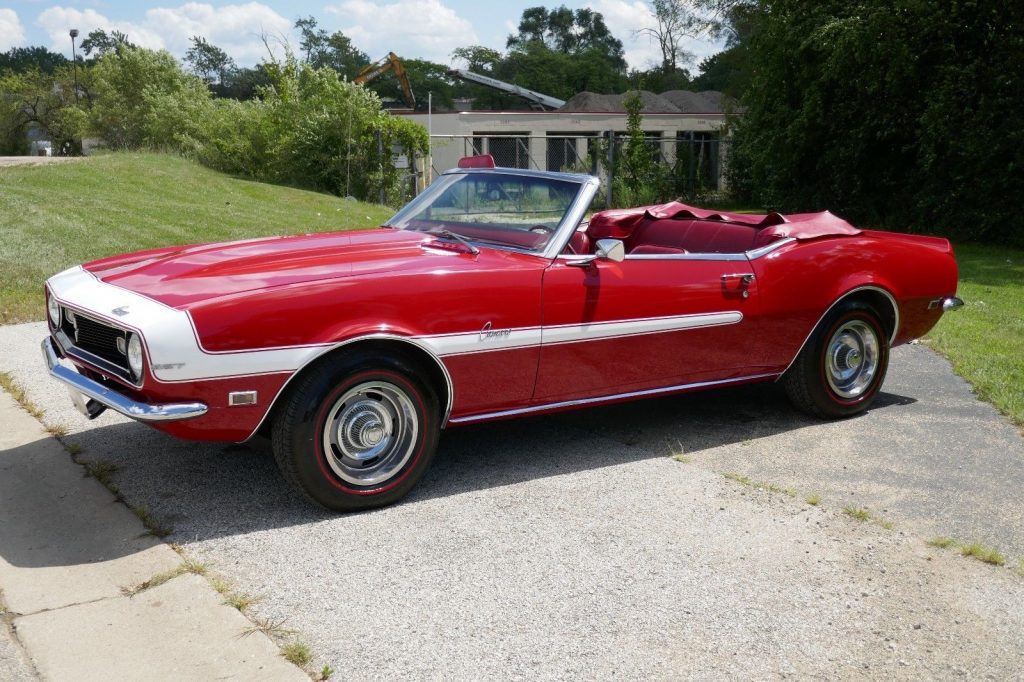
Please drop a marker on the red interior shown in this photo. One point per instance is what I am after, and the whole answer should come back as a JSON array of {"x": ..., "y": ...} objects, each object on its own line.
[
  {"x": 653, "y": 236},
  {"x": 677, "y": 228}
]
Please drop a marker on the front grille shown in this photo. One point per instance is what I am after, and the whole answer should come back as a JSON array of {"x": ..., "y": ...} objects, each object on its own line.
[{"x": 95, "y": 337}]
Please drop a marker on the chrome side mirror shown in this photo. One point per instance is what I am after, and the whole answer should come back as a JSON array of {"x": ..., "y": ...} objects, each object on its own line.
[{"x": 611, "y": 249}]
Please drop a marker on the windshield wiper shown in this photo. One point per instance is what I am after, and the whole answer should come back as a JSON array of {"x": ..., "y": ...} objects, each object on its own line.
[{"x": 455, "y": 237}]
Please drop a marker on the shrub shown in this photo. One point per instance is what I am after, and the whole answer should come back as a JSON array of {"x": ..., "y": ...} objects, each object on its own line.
[
  {"x": 307, "y": 128},
  {"x": 903, "y": 114}
]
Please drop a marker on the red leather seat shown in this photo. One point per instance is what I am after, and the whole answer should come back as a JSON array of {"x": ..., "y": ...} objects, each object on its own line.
[
  {"x": 650, "y": 250},
  {"x": 693, "y": 236},
  {"x": 579, "y": 243}
]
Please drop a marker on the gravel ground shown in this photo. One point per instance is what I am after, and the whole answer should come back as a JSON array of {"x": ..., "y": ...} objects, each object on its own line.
[
  {"x": 34, "y": 160},
  {"x": 14, "y": 665},
  {"x": 573, "y": 545}
]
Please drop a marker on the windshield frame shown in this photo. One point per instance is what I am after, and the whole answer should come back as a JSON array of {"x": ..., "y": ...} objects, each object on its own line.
[{"x": 588, "y": 186}]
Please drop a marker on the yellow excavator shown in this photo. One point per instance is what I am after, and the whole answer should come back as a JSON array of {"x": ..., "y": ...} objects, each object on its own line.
[{"x": 389, "y": 63}]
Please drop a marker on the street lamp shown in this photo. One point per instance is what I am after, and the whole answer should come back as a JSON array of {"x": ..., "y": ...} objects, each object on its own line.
[{"x": 74, "y": 59}]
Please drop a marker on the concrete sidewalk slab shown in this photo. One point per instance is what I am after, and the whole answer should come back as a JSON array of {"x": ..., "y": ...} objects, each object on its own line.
[
  {"x": 64, "y": 539},
  {"x": 67, "y": 550},
  {"x": 177, "y": 631}
]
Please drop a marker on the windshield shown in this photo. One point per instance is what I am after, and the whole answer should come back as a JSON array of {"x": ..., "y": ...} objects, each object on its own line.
[{"x": 492, "y": 208}]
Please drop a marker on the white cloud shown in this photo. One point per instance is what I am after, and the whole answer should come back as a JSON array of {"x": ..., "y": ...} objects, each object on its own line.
[
  {"x": 12, "y": 33},
  {"x": 57, "y": 21},
  {"x": 626, "y": 17},
  {"x": 428, "y": 29},
  {"x": 234, "y": 28}
]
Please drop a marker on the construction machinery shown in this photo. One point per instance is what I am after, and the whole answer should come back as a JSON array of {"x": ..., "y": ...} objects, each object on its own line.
[
  {"x": 389, "y": 63},
  {"x": 537, "y": 100}
]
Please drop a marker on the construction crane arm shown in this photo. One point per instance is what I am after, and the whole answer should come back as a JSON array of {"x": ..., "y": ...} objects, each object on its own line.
[
  {"x": 389, "y": 63},
  {"x": 539, "y": 99}
]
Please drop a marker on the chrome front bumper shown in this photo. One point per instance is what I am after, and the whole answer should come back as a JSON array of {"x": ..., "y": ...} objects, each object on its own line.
[{"x": 92, "y": 398}]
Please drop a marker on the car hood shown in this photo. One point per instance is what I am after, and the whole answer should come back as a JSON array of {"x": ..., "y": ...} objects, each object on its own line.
[{"x": 182, "y": 275}]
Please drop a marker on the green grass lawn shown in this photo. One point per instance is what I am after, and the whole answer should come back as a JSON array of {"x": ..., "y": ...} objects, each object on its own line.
[
  {"x": 985, "y": 339},
  {"x": 55, "y": 216}
]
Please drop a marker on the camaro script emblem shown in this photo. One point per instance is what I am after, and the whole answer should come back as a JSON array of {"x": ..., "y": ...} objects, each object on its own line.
[{"x": 487, "y": 333}]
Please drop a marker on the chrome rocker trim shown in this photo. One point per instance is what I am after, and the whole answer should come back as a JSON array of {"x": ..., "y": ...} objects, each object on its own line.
[
  {"x": 101, "y": 397},
  {"x": 597, "y": 400}
]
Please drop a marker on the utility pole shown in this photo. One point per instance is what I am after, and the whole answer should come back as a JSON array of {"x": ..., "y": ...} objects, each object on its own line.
[{"x": 74, "y": 60}]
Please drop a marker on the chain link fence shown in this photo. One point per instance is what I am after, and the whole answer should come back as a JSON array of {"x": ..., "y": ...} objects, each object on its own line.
[{"x": 691, "y": 162}]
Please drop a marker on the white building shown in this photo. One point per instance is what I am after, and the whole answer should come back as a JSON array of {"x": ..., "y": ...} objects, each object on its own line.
[{"x": 564, "y": 139}]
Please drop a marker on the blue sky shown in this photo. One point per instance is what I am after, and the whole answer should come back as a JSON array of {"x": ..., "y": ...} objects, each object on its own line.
[{"x": 427, "y": 29}]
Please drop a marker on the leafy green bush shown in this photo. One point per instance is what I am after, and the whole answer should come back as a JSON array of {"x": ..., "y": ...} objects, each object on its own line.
[
  {"x": 902, "y": 113},
  {"x": 127, "y": 81},
  {"x": 308, "y": 128}
]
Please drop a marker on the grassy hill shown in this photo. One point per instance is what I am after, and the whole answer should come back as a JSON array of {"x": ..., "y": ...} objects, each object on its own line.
[{"x": 55, "y": 216}]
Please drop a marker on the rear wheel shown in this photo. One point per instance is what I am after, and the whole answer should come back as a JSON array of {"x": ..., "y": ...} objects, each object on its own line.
[
  {"x": 356, "y": 431},
  {"x": 843, "y": 364}
]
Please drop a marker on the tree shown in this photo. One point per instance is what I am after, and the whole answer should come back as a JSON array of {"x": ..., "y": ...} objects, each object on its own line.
[
  {"x": 569, "y": 32},
  {"x": 331, "y": 50},
  {"x": 478, "y": 57},
  {"x": 127, "y": 81},
  {"x": 730, "y": 70},
  {"x": 101, "y": 42},
  {"x": 424, "y": 77},
  {"x": 559, "y": 52},
  {"x": 209, "y": 62},
  {"x": 674, "y": 23},
  {"x": 21, "y": 59},
  {"x": 46, "y": 102},
  {"x": 899, "y": 113}
]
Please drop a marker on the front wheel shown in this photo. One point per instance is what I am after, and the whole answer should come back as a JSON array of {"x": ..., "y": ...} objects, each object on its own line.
[
  {"x": 841, "y": 367},
  {"x": 356, "y": 432}
]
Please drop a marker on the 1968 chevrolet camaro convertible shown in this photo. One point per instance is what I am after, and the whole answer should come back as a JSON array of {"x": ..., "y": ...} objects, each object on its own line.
[{"x": 488, "y": 296}]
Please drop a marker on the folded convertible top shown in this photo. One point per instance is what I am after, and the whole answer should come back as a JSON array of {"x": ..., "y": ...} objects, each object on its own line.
[{"x": 619, "y": 223}]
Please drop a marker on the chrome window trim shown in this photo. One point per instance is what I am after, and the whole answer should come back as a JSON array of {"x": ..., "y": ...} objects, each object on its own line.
[
  {"x": 688, "y": 256},
  {"x": 528, "y": 172},
  {"x": 573, "y": 216},
  {"x": 580, "y": 402},
  {"x": 867, "y": 287},
  {"x": 366, "y": 337},
  {"x": 765, "y": 250},
  {"x": 736, "y": 257},
  {"x": 588, "y": 186}
]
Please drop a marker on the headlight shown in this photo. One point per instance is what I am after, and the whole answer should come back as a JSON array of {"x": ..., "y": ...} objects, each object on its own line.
[
  {"x": 135, "y": 355},
  {"x": 53, "y": 310}
]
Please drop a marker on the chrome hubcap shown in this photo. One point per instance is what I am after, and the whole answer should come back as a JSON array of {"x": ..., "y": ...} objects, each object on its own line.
[
  {"x": 370, "y": 433},
  {"x": 852, "y": 359}
]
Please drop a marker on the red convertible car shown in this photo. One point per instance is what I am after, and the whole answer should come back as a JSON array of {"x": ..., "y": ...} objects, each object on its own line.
[{"x": 488, "y": 296}]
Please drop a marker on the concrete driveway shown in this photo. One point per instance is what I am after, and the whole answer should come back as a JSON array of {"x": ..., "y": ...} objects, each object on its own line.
[{"x": 574, "y": 545}]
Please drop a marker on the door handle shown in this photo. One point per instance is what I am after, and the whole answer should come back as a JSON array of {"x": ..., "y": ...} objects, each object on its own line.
[{"x": 745, "y": 278}]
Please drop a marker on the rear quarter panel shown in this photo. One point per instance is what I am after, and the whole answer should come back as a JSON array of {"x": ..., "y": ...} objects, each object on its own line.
[{"x": 800, "y": 281}]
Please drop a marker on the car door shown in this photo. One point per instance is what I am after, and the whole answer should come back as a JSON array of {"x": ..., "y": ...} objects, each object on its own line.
[{"x": 646, "y": 322}]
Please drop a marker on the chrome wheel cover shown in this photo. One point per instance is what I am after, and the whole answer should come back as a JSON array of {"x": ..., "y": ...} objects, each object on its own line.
[
  {"x": 852, "y": 358},
  {"x": 370, "y": 433}
]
